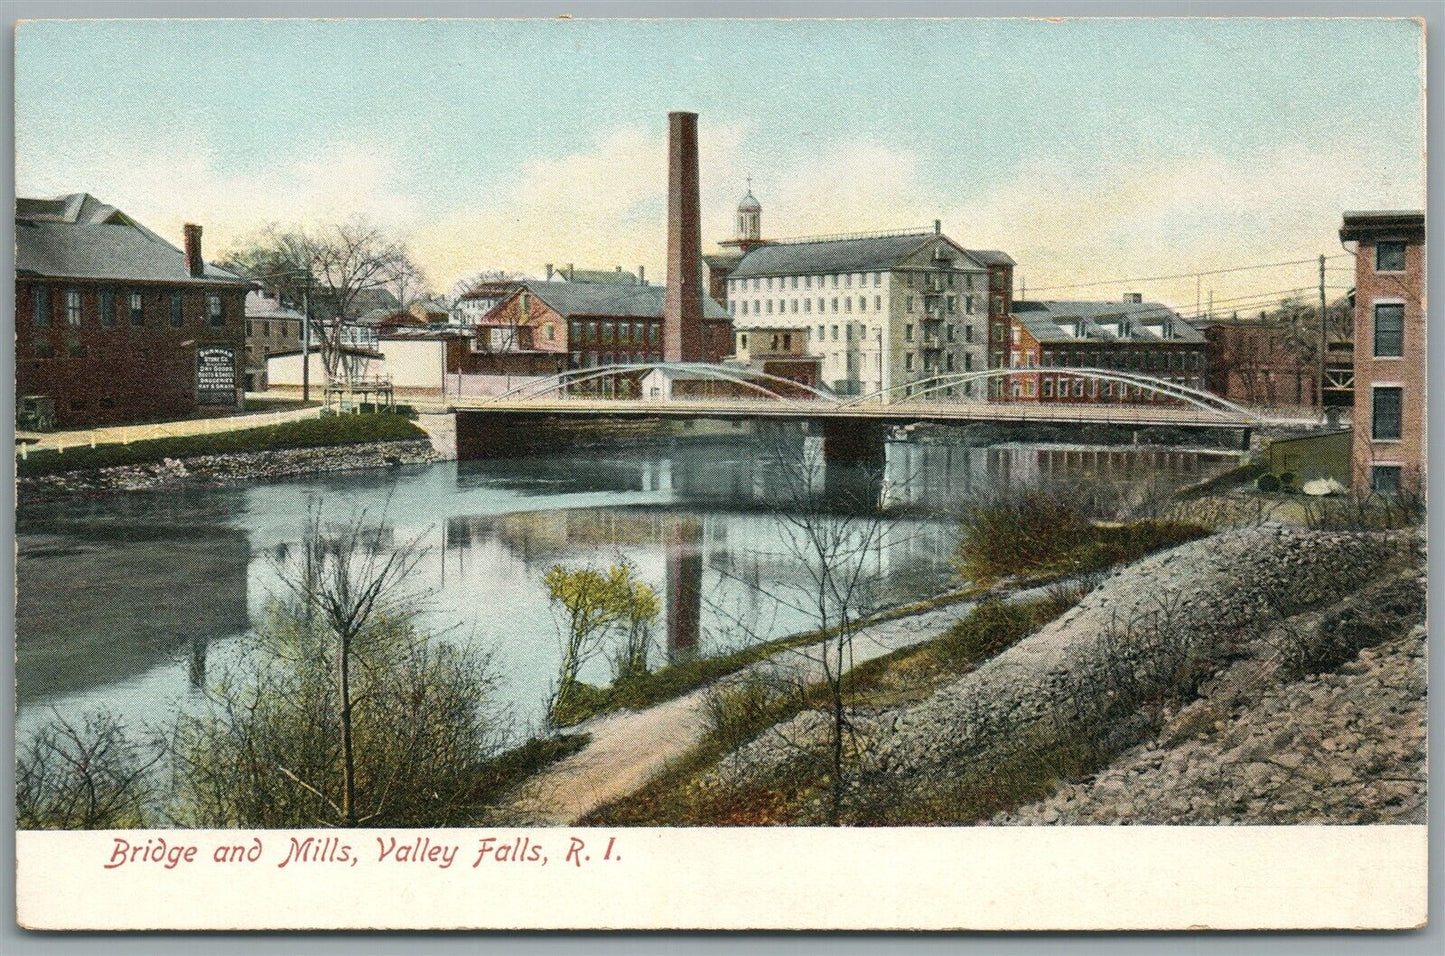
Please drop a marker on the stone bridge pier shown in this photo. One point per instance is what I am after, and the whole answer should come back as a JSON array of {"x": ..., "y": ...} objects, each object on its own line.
[{"x": 854, "y": 441}]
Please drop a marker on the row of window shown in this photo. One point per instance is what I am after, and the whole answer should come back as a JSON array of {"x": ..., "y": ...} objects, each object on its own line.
[
  {"x": 948, "y": 363},
  {"x": 1125, "y": 358},
  {"x": 132, "y": 303},
  {"x": 599, "y": 331},
  {"x": 746, "y": 307},
  {"x": 1092, "y": 388},
  {"x": 597, "y": 359},
  {"x": 934, "y": 281},
  {"x": 263, "y": 326}
]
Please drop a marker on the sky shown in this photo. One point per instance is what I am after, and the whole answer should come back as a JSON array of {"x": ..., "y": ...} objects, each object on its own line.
[{"x": 1091, "y": 151}]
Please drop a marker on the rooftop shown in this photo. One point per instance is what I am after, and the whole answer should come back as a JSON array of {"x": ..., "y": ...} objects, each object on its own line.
[
  {"x": 610, "y": 299},
  {"x": 80, "y": 237},
  {"x": 1361, "y": 224},
  {"x": 1055, "y": 321}
]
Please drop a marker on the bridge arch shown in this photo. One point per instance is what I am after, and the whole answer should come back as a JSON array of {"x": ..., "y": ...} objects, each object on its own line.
[
  {"x": 747, "y": 379},
  {"x": 1205, "y": 401}
]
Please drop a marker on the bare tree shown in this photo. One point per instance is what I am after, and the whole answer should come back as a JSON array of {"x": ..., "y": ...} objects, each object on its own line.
[
  {"x": 346, "y": 583},
  {"x": 336, "y": 263},
  {"x": 87, "y": 777}
]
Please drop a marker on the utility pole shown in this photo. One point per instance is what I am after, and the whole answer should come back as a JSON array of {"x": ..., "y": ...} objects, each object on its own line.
[
  {"x": 1198, "y": 283},
  {"x": 1324, "y": 340},
  {"x": 1210, "y": 313},
  {"x": 306, "y": 340}
]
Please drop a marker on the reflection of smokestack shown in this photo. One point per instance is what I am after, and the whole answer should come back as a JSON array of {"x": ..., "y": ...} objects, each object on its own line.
[
  {"x": 682, "y": 309},
  {"x": 682, "y": 545}
]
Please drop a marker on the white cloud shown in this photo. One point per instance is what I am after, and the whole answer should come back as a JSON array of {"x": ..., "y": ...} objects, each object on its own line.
[{"x": 605, "y": 205}]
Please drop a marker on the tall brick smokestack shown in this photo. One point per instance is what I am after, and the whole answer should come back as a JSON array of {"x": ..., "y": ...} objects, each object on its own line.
[
  {"x": 195, "y": 265},
  {"x": 682, "y": 308}
]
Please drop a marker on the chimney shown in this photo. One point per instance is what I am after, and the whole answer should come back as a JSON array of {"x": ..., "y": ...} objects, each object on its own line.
[
  {"x": 641, "y": 276},
  {"x": 682, "y": 304},
  {"x": 569, "y": 272},
  {"x": 938, "y": 227},
  {"x": 618, "y": 270},
  {"x": 549, "y": 272},
  {"x": 195, "y": 265},
  {"x": 1135, "y": 297}
]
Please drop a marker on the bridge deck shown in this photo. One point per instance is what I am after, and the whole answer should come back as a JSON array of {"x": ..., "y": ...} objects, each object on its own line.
[{"x": 896, "y": 412}]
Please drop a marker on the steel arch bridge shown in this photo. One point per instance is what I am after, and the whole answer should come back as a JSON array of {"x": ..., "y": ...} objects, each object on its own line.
[{"x": 757, "y": 391}]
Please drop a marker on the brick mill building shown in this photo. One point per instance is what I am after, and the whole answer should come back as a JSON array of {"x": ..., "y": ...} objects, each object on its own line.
[
  {"x": 1258, "y": 362},
  {"x": 1141, "y": 338},
  {"x": 1389, "y": 416},
  {"x": 114, "y": 324}
]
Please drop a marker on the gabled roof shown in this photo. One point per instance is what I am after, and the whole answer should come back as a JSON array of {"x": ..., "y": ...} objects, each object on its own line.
[
  {"x": 862, "y": 254},
  {"x": 610, "y": 299},
  {"x": 990, "y": 257},
  {"x": 855, "y": 254},
  {"x": 1044, "y": 319},
  {"x": 79, "y": 237}
]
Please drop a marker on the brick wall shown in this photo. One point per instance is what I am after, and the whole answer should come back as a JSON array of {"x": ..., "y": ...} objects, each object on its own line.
[{"x": 112, "y": 373}]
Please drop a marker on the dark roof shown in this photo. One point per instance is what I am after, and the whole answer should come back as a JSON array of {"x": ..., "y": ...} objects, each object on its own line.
[
  {"x": 78, "y": 237},
  {"x": 855, "y": 254},
  {"x": 990, "y": 257},
  {"x": 1368, "y": 224},
  {"x": 1044, "y": 318},
  {"x": 862, "y": 254},
  {"x": 627, "y": 301}
]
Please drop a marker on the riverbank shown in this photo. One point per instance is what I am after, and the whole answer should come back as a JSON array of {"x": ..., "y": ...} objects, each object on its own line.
[
  {"x": 1260, "y": 675},
  {"x": 338, "y": 443}
]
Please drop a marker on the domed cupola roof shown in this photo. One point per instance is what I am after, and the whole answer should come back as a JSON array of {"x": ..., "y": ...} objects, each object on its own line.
[{"x": 750, "y": 203}]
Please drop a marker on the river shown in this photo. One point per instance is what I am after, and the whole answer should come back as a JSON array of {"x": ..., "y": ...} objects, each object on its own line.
[{"x": 135, "y": 602}]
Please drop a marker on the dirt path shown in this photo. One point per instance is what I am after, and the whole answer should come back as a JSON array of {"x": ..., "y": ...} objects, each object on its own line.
[{"x": 630, "y": 747}]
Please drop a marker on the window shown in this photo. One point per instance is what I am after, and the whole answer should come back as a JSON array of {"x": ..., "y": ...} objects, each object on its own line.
[
  {"x": 213, "y": 309},
  {"x": 848, "y": 304},
  {"x": 908, "y": 332},
  {"x": 953, "y": 303},
  {"x": 652, "y": 334},
  {"x": 808, "y": 305},
  {"x": 835, "y": 280},
  {"x": 908, "y": 303},
  {"x": 137, "y": 309},
  {"x": 835, "y": 333},
  {"x": 770, "y": 283},
  {"x": 594, "y": 333},
  {"x": 878, "y": 303},
  {"x": 952, "y": 331},
  {"x": 1389, "y": 331},
  {"x": 742, "y": 340},
  {"x": 968, "y": 363},
  {"x": 177, "y": 315},
  {"x": 877, "y": 278},
  {"x": 820, "y": 333},
  {"x": 608, "y": 329},
  {"x": 949, "y": 360},
  {"x": 795, "y": 282},
  {"x": 40, "y": 306},
  {"x": 835, "y": 301},
  {"x": 1389, "y": 257},
  {"x": 821, "y": 305},
  {"x": 862, "y": 303},
  {"x": 807, "y": 282},
  {"x": 770, "y": 306},
  {"x": 1385, "y": 479},
  {"x": 575, "y": 330},
  {"x": 107, "y": 307},
  {"x": 968, "y": 333},
  {"x": 968, "y": 305},
  {"x": 1078, "y": 388},
  {"x": 745, "y": 307},
  {"x": 549, "y": 332},
  {"x": 72, "y": 307},
  {"x": 1386, "y": 413},
  {"x": 848, "y": 281},
  {"x": 794, "y": 308},
  {"x": 908, "y": 361}
]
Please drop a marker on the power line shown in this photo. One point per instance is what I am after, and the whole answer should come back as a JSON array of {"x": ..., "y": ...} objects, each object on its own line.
[{"x": 1189, "y": 275}]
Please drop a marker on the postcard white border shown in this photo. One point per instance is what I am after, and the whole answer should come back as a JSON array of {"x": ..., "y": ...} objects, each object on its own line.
[{"x": 979, "y": 878}]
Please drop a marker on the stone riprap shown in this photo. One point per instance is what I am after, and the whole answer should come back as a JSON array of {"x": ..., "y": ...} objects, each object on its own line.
[
  {"x": 226, "y": 468},
  {"x": 1141, "y": 634}
]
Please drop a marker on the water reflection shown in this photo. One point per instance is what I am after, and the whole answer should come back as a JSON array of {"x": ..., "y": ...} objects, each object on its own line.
[{"x": 136, "y": 602}]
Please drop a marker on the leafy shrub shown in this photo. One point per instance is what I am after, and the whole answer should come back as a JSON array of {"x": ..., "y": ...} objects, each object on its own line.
[
  {"x": 266, "y": 753},
  {"x": 1267, "y": 483},
  {"x": 1286, "y": 479},
  {"x": 991, "y": 627}
]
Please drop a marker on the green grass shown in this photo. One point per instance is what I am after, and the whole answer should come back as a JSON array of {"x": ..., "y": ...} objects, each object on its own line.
[
  {"x": 738, "y": 714},
  {"x": 308, "y": 433},
  {"x": 674, "y": 680},
  {"x": 265, "y": 406}
]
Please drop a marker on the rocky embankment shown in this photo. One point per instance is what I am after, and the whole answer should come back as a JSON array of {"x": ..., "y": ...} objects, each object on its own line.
[
  {"x": 1260, "y": 675},
  {"x": 226, "y": 468}
]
